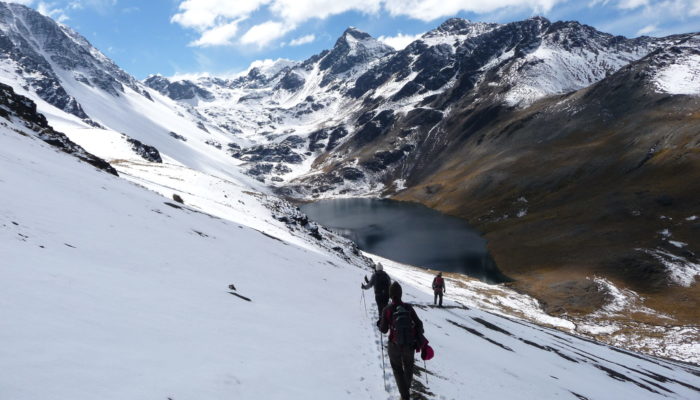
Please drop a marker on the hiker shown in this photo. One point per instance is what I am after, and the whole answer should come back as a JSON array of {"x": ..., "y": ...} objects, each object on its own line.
[
  {"x": 405, "y": 329},
  {"x": 380, "y": 281},
  {"x": 438, "y": 288}
]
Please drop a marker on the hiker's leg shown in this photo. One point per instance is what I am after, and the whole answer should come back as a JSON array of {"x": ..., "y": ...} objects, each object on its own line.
[
  {"x": 440, "y": 299},
  {"x": 435, "y": 299},
  {"x": 396, "y": 361},
  {"x": 407, "y": 356},
  {"x": 382, "y": 301}
]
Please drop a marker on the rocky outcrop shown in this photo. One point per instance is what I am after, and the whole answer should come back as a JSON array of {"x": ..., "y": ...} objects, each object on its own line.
[
  {"x": 148, "y": 153},
  {"x": 178, "y": 90},
  {"x": 13, "y": 105}
]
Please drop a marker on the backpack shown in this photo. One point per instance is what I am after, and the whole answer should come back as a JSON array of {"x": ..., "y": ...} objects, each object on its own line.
[
  {"x": 439, "y": 283},
  {"x": 402, "y": 325},
  {"x": 382, "y": 283}
]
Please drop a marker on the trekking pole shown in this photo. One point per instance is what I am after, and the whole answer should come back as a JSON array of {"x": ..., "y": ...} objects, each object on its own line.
[
  {"x": 425, "y": 367},
  {"x": 383, "y": 367},
  {"x": 364, "y": 302}
]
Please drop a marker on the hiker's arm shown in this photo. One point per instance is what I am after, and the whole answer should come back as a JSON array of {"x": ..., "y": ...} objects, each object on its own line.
[
  {"x": 384, "y": 321},
  {"x": 418, "y": 323},
  {"x": 371, "y": 282}
]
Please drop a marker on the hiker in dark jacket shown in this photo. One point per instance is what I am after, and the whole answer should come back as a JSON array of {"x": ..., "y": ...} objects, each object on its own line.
[
  {"x": 380, "y": 281},
  {"x": 438, "y": 288},
  {"x": 405, "y": 328}
]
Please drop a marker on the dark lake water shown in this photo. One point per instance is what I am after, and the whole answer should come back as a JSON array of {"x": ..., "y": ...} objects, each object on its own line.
[{"x": 409, "y": 233}]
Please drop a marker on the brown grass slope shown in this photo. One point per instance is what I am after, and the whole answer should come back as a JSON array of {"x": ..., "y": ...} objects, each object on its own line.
[{"x": 603, "y": 170}]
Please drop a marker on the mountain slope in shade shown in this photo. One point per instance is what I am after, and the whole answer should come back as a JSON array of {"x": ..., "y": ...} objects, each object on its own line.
[{"x": 610, "y": 192}]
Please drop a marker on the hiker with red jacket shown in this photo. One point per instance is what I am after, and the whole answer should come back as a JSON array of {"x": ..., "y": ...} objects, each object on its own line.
[
  {"x": 405, "y": 331},
  {"x": 438, "y": 288},
  {"x": 380, "y": 281}
]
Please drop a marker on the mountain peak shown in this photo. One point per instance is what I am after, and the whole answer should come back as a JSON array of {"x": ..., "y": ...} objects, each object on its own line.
[
  {"x": 355, "y": 33},
  {"x": 352, "y": 48},
  {"x": 454, "y": 24}
]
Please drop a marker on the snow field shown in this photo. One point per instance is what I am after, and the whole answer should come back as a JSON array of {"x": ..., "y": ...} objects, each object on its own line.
[
  {"x": 126, "y": 300},
  {"x": 481, "y": 355}
]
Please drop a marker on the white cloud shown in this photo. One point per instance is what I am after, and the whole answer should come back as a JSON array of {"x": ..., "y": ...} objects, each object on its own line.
[
  {"x": 263, "y": 34},
  {"x": 302, "y": 40},
  {"x": 428, "y": 10},
  {"x": 632, "y": 4},
  {"x": 694, "y": 7},
  {"x": 399, "y": 41},
  {"x": 647, "y": 30},
  {"x": 50, "y": 10},
  {"x": 206, "y": 14},
  {"x": 101, "y": 6},
  {"x": 58, "y": 10},
  {"x": 216, "y": 20},
  {"x": 220, "y": 35},
  {"x": 298, "y": 11}
]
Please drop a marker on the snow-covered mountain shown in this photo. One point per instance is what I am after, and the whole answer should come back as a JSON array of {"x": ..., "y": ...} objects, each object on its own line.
[
  {"x": 86, "y": 96},
  {"x": 111, "y": 291},
  {"x": 296, "y": 115},
  {"x": 470, "y": 119}
]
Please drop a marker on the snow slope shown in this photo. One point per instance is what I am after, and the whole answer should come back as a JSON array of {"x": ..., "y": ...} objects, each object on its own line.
[
  {"x": 110, "y": 291},
  {"x": 492, "y": 355}
]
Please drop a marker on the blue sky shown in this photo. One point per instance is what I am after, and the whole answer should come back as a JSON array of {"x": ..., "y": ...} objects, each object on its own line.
[{"x": 174, "y": 37}]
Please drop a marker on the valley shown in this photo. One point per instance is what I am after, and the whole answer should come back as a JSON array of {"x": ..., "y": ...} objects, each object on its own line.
[{"x": 573, "y": 154}]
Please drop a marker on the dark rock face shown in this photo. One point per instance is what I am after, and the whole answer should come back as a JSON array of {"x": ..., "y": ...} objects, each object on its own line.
[
  {"x": 423, "y": 117},
  {"x": 213, "y": 143},
  {"x": 314, "y": 139},
  {"x": 294, "y": 141},
  {"x": 335, "y": 136},
  {"x": 270, "y": 153},
  {"x": 375, "y": 127},
  {"x": 13, "y": 105},
  {"x": 177, "y": 136},
  {"x": 148, "y": 153},
  {"x": 351, "y": 174},
  {"x": 260, "y": 169},
  {"x": 180, "y": 90},
  {"x": 185, "y": 90},
  {"x": 291, "y": 81},
  {"x": 158, "y": 83}
]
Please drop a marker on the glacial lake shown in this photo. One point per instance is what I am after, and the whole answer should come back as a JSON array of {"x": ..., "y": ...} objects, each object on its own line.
[{"x": 409, "y": 233}]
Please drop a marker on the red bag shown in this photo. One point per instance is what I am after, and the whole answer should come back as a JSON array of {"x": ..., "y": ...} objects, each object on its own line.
[{"x": 427, "y": 352}]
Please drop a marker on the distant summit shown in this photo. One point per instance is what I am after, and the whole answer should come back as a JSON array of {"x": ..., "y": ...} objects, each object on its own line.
[{"x": 352, "y": 49}]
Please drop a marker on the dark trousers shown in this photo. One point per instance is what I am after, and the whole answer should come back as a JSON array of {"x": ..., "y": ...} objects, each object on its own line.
[
  {"x": 382, "y": 301},
  {"x": 435, "y": 301},
  {"x": 401, "y": 359}
]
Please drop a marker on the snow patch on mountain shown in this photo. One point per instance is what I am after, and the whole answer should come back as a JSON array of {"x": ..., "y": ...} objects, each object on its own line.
[
  {"x": 681, "y": 271},
  {"x": 682, "y": 77},
  {"x": 554, "y": 69}
]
